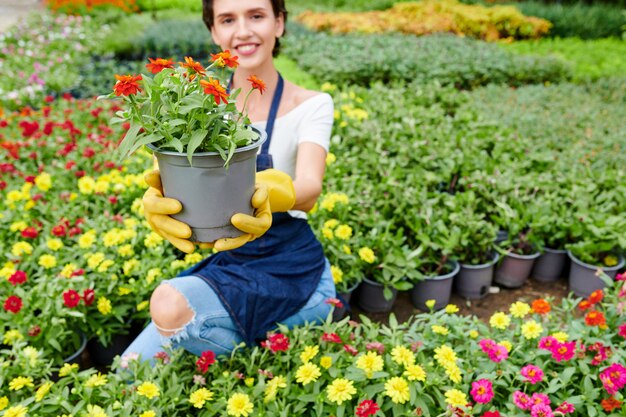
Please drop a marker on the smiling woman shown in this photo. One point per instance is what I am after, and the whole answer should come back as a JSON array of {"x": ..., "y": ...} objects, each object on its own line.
[{"x": 276, "y": 271}]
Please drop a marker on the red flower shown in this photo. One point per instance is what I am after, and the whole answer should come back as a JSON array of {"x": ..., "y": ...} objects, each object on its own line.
[
  {"x": 331, "y": 337},
  {"x": 28, "y": 128},
  {"x": 34, "y": 331},
  {"x": 30, "y": 233},
  {"x": 276, "y": 342},
  {"x": 48, "y": 127},
  {"x": 595, "y": 318},
  {"x": 59, "y": 231},
  {"x": 157, "y": 65},
  {"x": 75, "y": 231},
  {"x": 71, "y": 298},
  {"x": 127, "y": 84},
  {"x": 596, "y": 297},
  {"x": 18, "y": 277},
  {"x": 13, "y": 304},
  {"x": 192, "y": 65},
  {"x": 367, "y": 408},
  {"x": 89, "y": 295},
  {"x": 610, "y": 404},
  {"x": 225, "y": 59},
  {"x": 541, "y": 306},
  {"x": 491, "y": 414},
  {"x": 213, "y": 87},
  {"x": 584, "y": 305},
  {"x": 78, "y": 272},
  {"x": 257, "y": 83},
  {"x": 334, "y": 302},
  {"x": 89, "y": 152},
  {"x": 206, "y": 359}
]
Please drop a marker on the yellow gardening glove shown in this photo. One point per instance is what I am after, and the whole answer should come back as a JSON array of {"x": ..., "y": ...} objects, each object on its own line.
[
  {"x": 158, "y": 209},
  {"x": 274, "y": 193}
]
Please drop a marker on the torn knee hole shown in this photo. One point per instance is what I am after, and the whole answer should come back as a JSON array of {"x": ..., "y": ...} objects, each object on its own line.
[{"x": 170, "y": 310}]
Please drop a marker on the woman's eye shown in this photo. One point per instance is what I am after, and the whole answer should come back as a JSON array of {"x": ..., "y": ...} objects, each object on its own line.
[
  {"x": 227, "y": 21},
  {"x": 257, "y": 16}
]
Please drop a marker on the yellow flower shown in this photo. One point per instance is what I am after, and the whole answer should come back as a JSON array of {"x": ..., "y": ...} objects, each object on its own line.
[
  {"x": 444, "y": 354},
  {"x": 610, "y": 260},
  {"x": 531, "y": 329},
  {"x": 86, "y": 185},
  {"x": 327, "y": 233},
  {"x": 309, "y": 353},
  {"x": 456, "y": 398},
  {"x": 402, "y": 356},
  {"x": 453, "y": 372},
  {"x": 473, "y": 334},
  {"x": 43, "y": 390},
  {"x": 340, "y": 390},
  {"x": 370, "y": 362},
  {"x": 67, "y": 369},
  {"x": 129, "y": 266},
  {"x": 12, "y": 336},
  {"x": 95, "y": 411},
  {"x": 105, "y": 265},
  {"x": 4, "y": 403},
  {"x": 47, "y": 261},
  {"x": 148, "y": 390},
  {"x": 126, "y": 250},
  {"x": 20, "y": 382},
  {"x": 20, "y": 248},
  {"x": 430, "y": 304},
  {"x": 326, "y": 362},
  {"x": 346, "y": 249},
  {"x": 199, "y": 397},
  {"x": 415, "y": 373},
  {"x": 343, "y": 232},
  {"x": 308, "y": 373},
  {"x": 153, "y": 274},
  {"x": 104, "y": 306},
  {"x": 149, "y": 413},
  {"x": 499, "y": 320},
  {"x": 43, "y": 181},
  {"x": 18, "y": 226},
  {"x": 124, "y": 291},
  {"x": 239, "y": 405},
  {"x": 330, "y": 224},
  {"x": 143, "y": 305},
  {"x": 439, "y": 329},
  {"x": 13, "y": 196},
  {"x": 101, "y": 187},
  {"x": 67, "y": 270},
  {"x": 330, "y": 158},
  {"x": 272, "y": 386},
  {"x": 519, "y": 309},
  {"x": 397, "y": 388},
  {"x": 87, "y": 239},
  {"x": 561, "y": 336},
  {"x": 94, "y": 260},
  {"x": 249, "y": 382},
  {"x": 16, "y": 411},
  {"x": 337, "y": 274},
  {"x": 328, "y": 87},
  {"x": 96, "y": 380},
  {"x": 367, "y": 255},
  {"x": 507, "y": 345},
  {"x": 31, "y": 354},
  {"x": 193, "y": 258},
  {"x": 451, "y": 309},
  {"x": 152, "y": 240}
]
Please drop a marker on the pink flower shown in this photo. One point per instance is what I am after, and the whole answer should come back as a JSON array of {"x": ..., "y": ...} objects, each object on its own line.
[
  {"x": 621, "y": 330},
  {"x": 163, "y": 357},
  {"x": 532, "y": 374},
  {"x": 277, "y": 342},
  {"x": 539, "y": 398},
  {"x": 521, "y": 400},
  {"x": 499, "y": 354},
  {"x": 331, "y": 337},
  {"x": 620, "y": 277},
  {"x": 334, "y": 302},
  {"x": 487, "y": 345},
  {"x": 565, "y": 408},
  {"x": 564, "y": 351},
  {"x": 199, "y": 379},
  {"x": 541, "y": 410},
  {"x": 367, "y": 408},
  {"x": 132, "y": 356},
  {"x": 351, "y": 350},
  {"x": 482, "y": 391},
  {"x": 613, "y": 378},
  {"x": 547, "y": 343},
  {"x": 377, "y": 346}
]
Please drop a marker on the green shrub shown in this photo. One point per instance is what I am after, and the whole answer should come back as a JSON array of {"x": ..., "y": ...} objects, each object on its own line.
[
  {"x": 98, "y": 76},
  {"x": 188, "y": 5},
  {"x": 591, "y": 59},
  {"x": 465, "y": 63}
]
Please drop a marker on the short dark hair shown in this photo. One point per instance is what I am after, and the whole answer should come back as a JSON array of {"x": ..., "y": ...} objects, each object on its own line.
[{"x": 278, "y": 6}]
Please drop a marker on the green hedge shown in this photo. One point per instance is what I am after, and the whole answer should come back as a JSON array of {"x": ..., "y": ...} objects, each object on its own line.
[
  {"x": 188, "y": 5},
  {"x": 450, "y": 60}
]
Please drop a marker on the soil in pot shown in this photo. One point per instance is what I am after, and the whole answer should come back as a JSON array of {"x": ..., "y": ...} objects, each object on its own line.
[{"x": 438, "y": 288}]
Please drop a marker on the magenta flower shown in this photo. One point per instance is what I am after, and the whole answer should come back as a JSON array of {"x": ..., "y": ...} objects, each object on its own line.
[
  {"x": 621, "y": 330},
  {"x": 613, "y": 378},
  {"x": 547, "y": 343},
  {"x": 499, "y": 354},
  {"x": 539, "y": 398},
  {"x": 377, "y": 346},
  {"x": 564, "y": 351},
  {"x": 532, "y": 374},
  {"x": 487, "y": 345},
  {"x": 565, "y": 408},
  {"x": 541, "y": 410},
  {"x": 521, "y": 400},
  {"x": 482, "y": 391}
]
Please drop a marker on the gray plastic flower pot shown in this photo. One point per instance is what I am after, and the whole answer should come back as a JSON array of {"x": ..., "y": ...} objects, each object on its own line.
[
  {"x": 582, "y": 276},
  {"x": 371, "y": 299},
  {"x": 474, "y": 281},
  {"x": 438, "y": 288},
  {"x": 209, "y": 192},
  {"x": 514, "y": 269},
  {"x": 550, "y": 265},
  {"x": 347, "y": 295}
]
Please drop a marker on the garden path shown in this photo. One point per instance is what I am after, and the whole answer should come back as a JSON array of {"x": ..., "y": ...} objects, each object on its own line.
[{"x": 13, "y": 10}]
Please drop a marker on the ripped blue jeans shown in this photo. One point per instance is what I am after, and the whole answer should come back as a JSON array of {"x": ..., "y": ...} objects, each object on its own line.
[{"x": 211, "y": 327}]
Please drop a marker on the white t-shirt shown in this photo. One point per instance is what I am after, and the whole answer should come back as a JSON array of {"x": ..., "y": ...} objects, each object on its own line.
[{"x": 310, "y": 121}]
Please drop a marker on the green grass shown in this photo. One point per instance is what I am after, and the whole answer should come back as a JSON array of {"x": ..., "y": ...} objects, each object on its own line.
[
  {"x": 591, "y": 59},
  {"x": 290, "y": 71}
]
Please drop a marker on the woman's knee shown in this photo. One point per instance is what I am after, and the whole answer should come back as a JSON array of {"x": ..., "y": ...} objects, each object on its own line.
[{"x": 170, "y": 310}]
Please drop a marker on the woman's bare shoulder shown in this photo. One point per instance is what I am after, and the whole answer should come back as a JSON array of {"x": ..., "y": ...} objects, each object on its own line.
[{"x": 298, "y": 95}]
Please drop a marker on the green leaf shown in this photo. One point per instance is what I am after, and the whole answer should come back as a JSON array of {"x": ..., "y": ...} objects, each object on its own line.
[
  {"x": 145, "y": 140},
  {"x": 128, "y": 141},
  {"x": 196, "y": 140}
]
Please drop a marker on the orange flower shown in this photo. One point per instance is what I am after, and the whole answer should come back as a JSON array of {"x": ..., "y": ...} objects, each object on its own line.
[
  {"x": 225, "y": 59},
  {"x": 192, "y": 65},
  {"x": 213, "y": 87},
  {"x": 610, "y": 404},
  {"x": 127, "y": 84},
  {"x": 584, "y": 305},
  {"x": 257, "y": 83},
  {"x": 596, "y": 297},
  {"x": 541, "y": 306},
  {"x": 595, "y": 318},
  {"x": 157, "y": 65}
]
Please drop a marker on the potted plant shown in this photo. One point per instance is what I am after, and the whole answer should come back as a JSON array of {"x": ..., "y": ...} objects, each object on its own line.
[
  {"x": 204, "y": 146},
  {"x": 474, "y": 251},
  {"x": 600, "y": 242},
  {"x": 519, "y": 250}
]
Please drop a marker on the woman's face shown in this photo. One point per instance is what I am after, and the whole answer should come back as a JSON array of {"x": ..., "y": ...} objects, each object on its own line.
[{"x": 248, "y": 28}]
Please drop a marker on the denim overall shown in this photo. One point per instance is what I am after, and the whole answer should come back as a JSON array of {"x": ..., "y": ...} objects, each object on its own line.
[{"x": 271, "y": 278}]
